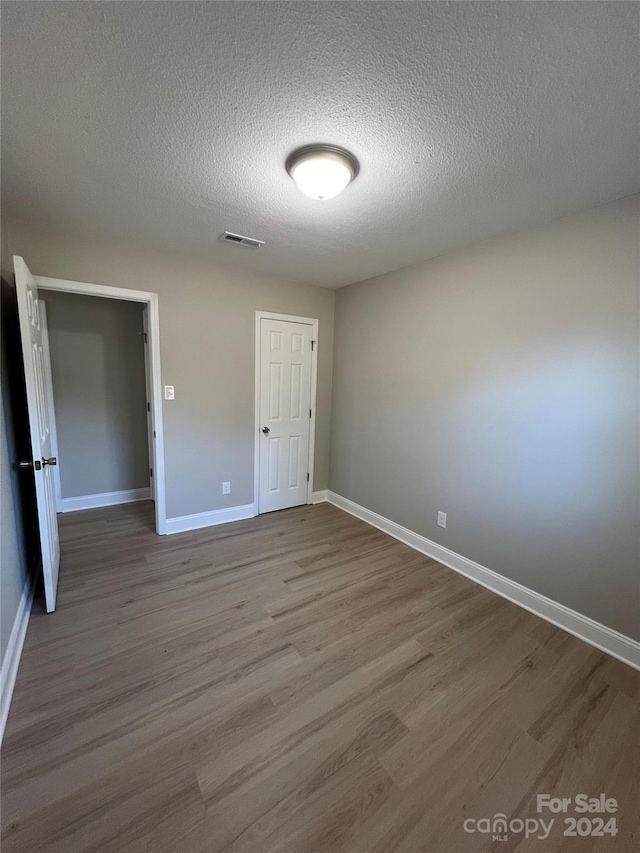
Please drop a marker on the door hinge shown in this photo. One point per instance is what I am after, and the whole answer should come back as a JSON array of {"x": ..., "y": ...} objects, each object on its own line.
[
  {"x": 148, "y": 407},
  {"x": 313, "y": 343},
  {"x": 151, "y": 472},
  {"x": 154, "y": 433},
  {"x": 307, "y": 476},
  {"x": 144, "y": 337},
  {"x": 309, "y": 412}
]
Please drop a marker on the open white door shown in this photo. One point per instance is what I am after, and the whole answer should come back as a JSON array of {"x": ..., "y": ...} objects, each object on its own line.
[
  {"x": 42, "y": 309},
  {"x": 39, "y": 405}
]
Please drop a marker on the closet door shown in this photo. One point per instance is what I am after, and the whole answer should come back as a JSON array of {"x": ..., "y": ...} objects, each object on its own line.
[{"x": 285, "y": 400}]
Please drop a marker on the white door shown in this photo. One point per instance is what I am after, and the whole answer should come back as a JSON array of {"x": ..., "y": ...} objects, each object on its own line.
[
  {"x": 48, "y": 380},
  {"x": 39, "y": 406},
  {"x": 285, "y": 413}
]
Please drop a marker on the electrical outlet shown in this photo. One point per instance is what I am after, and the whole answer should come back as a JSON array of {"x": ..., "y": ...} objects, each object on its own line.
[
  {"x": 442, "y": 519},
  {"x": 169, "y": 392},
  {"x": 226, "y": 488}
]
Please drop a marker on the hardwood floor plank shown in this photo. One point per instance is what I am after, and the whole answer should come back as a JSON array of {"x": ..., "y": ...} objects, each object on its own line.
[
  {"x": 282, "y": 789},
  {"x": 294, "y": 683}
]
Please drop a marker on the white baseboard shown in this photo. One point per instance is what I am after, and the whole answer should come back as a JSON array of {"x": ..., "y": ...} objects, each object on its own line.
[
  {"x": 11, "y": 660},
  {"x": 319, "y": 497},
  {"x": 592, "y": 632},
  {"x": 209, "y": 519},
  {"x": 126, "y": 496}
]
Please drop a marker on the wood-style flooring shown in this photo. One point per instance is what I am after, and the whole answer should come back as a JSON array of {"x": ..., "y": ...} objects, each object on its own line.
[{"x": 299, "y": 682}]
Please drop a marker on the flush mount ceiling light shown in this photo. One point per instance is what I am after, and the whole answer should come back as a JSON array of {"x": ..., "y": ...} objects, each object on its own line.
[{"x": 322, "y": 171}]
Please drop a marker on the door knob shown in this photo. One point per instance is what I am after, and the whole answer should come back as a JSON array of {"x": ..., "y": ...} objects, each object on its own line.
[
  {"x": 37, "y": 465},
  {"x": 50, "y": 461},
  {"x": 266, "y": 430}
]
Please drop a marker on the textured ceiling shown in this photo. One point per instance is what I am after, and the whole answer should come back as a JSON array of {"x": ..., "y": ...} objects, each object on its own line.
[{"x": 165, "y": 124}]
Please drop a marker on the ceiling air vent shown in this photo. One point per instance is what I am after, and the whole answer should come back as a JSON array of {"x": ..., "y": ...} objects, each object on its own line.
[{"x": 239, "y": 240}]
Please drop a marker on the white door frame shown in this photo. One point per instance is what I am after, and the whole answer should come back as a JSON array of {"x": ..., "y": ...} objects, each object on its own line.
[
  {"x": 151, "y": 301},
  {"x": 287, "y": 318},
  {"x": 149, "y": 416}
]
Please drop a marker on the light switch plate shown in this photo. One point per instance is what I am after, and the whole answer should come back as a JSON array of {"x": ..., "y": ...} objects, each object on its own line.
[
  {"x": 169, "y": 392},
  {"x": 442, "y": 519}
]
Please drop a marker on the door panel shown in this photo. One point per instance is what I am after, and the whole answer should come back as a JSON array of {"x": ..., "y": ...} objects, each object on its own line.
[
  {"x": 285, "y": 399},
  {"x": 39, "y": 404},
  {"x": 42, "y": 305}
]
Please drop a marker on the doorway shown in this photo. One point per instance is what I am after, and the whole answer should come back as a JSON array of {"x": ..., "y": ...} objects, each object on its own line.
[
  {"x": 37, "y": 375},
  {"x": 286, "y": 377},
  {"x": 100, "y": 435},
  {"x": 153, "y": 391}
]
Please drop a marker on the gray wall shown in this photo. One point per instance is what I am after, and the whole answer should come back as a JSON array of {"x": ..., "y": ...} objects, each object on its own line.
[
  {"x": 13, "y": 561},
  {"x": 207, "y": 322},
  {"x": 499, "y": 383},
  {"x": 18, "y": 534},
  {"x": 97, "y": 365}
]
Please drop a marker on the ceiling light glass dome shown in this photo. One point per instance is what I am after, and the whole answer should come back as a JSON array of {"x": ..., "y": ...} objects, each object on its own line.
[{"x": 322, "y": 171}]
